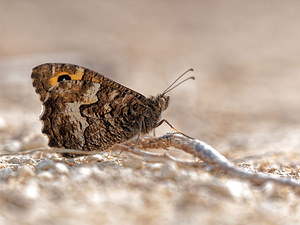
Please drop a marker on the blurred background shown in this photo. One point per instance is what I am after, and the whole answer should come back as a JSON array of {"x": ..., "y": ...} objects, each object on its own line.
[
  {"x": 244, "y": 102},
  {"x": 246, "y": 56}
]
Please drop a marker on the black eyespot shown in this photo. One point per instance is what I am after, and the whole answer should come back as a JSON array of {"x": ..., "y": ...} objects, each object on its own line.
[{"x": 63, "y": 77}]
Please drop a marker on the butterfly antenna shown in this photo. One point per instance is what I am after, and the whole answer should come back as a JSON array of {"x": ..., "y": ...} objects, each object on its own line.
[
  {"x": 170, "y": 88},
  {"x": 189, "y": 78}
]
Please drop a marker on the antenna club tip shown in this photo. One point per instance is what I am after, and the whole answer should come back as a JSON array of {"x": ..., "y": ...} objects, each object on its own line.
[
  {"x": 191, "y": 69},
  {"x": 193, "y": 78}
]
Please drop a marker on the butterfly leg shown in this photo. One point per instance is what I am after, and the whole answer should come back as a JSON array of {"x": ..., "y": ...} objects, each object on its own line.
[
  {"x": 139, "y": 133},
  {"x": 167, "y": 122},
  {"x": 154, "y": 135}
]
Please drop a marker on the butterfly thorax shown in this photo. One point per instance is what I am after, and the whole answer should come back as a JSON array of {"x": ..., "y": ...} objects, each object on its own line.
[{"x": 156, "y": 105}]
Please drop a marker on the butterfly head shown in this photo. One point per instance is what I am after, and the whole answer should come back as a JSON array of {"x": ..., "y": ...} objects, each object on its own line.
[{"x": 162, "y": 102}]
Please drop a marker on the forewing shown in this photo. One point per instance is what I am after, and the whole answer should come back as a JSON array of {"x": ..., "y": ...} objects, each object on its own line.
[{"x": 47, "y": 75}]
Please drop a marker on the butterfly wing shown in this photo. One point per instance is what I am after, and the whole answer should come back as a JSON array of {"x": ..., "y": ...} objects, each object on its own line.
[
  {"x": 86, "y": 110},
  {"x": 62, "y": 121},
  {"x": 114, "y": 118},
  {"x": 45, "y": 76}
]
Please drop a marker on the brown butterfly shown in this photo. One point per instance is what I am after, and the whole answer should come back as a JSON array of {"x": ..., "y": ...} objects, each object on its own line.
[{"x": 84, "y": 110}]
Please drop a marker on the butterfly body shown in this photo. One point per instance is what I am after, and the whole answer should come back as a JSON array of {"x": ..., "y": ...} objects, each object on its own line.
[{"x": 86, "y": 111}]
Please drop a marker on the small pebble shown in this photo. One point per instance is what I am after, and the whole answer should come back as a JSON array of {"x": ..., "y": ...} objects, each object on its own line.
[
  {"x": 61, "y": 168},
  {"x": 5, "y": 173},
  {"x": 46, "y": 164},
  {"x": 46, "y": 175},
  {"x": 32, "y": 190},
  {"x": 15, "y": 160},
  {"x": 239, "y": 190},
  {"x": 12, "y": 146},
  {"x": 169, "y": 171},
  {"x": 25, "y": 171},
  {"x": 82, "y": 173}
]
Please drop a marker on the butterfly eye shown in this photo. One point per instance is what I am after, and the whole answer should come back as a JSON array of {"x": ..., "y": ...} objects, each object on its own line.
[{"x": 63, "y": 77}]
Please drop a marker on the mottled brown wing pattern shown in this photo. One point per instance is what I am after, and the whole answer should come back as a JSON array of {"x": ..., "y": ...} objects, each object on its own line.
[
  {"x": 62, "y": 120},
  {"x": 47, "y": 75},
  {"x": 87, "y": 111},
  {"x": 114, "y": 118}
]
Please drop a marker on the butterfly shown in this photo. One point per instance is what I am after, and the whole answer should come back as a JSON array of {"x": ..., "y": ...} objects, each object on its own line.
[{"x": 85, "y": 110}]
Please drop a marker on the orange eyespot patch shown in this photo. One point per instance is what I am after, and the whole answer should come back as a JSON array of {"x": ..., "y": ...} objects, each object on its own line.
[{"x": 66, "y": 76}]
